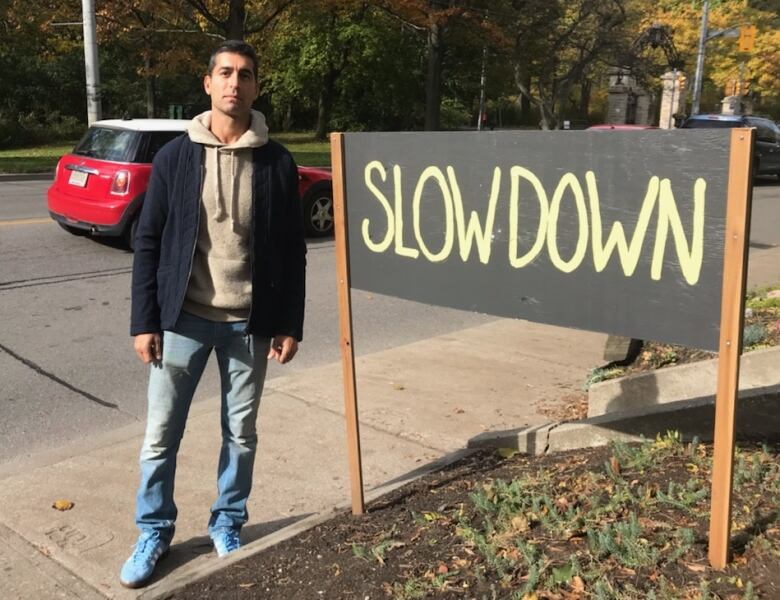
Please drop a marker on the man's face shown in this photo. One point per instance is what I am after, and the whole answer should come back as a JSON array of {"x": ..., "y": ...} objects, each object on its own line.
[{"x": 232, "y": 85}]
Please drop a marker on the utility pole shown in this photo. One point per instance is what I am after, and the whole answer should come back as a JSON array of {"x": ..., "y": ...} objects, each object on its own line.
[
  {"x": 91, "y": 65},
  {"x": 482, "y": 89},
  {"x": 700, "y": 59}
]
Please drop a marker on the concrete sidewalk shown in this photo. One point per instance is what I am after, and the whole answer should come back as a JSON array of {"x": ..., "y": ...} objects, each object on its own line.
[{"x": 418, "y": 403}]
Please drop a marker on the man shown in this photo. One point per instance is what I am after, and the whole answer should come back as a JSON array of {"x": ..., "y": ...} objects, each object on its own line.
[{"x": 219, "y": 264}]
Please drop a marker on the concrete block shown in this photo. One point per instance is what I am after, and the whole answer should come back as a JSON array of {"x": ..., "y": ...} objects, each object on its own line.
[
  {"x": 759, "y": 373},
  {"x": 528, "y": 440}
]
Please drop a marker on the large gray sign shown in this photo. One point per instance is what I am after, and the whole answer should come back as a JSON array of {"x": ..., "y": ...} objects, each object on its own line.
[{"x": 615, "y": 231}]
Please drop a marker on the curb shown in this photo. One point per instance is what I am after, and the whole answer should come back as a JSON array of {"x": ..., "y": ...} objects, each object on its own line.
[
  {"x": 174, "y": 582},
  {"x": 757, "y": 418},
  {"x": 759, "y": 373},
  {"x": 48, "y": 176}
]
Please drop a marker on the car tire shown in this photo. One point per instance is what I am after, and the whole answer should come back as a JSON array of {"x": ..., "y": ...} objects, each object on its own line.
[
  {"x": 318, "y": 210},
  {"x": 129, "y": 234},
  {"x": 74, "y": 230}
]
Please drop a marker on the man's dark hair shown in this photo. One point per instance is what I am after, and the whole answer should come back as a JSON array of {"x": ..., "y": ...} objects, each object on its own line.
[{"x": 234, "y": 47}]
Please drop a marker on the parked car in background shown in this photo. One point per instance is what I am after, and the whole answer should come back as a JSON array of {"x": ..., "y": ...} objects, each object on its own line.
[
  {"x": 621, "y": 127},
  {"x": 99, "y": 187},
  {"x": 766, "y": 151}
]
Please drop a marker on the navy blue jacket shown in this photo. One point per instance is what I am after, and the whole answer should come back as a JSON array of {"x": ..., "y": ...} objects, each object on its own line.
[{"x": 168, "y": 230}]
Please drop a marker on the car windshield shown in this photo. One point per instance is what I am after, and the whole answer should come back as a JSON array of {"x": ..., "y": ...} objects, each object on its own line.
[
  {"x": 711, "y": 124},
  {"x": 106, "y": 143}
]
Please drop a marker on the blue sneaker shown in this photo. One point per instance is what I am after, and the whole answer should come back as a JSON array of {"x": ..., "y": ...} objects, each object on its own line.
[
  {"x": 225, "y": 541},
  {"x": 138, "y": 569}
]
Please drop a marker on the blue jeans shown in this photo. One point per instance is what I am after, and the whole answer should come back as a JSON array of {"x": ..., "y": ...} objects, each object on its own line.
[{"x": 242, "y": 365}]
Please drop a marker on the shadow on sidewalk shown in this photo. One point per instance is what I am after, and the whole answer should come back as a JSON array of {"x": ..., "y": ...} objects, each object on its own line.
[{"x": 183, "y": 553}]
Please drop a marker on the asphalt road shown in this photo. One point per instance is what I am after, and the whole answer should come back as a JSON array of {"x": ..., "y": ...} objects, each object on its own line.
[{"x": 67, "y": 369}]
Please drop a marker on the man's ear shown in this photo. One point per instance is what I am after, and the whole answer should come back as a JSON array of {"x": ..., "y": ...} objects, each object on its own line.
[{"x": 207, "y": 84}]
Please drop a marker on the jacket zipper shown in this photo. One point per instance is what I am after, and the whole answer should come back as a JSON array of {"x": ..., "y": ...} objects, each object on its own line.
[
  {"x": 197, "y": 227},
  {"x": 252, "y": 234}
]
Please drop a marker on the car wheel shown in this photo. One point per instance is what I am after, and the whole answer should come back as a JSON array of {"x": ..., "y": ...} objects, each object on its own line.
[
  {"x": 318, "y": 211},
  {"x": 129, "y": 233},
  {"x": 74, "y": 230}
]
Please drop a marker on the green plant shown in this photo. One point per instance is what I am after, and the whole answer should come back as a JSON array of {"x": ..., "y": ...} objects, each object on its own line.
[
  {"x": 378, "y": 551},
  {"x": 754, "y": 334},
  {"x": 624, "y": 542},
  {"x": 600, "y": 374},
  {"x": 685, "y": 497},
  {"x": 411, "y": 589}
]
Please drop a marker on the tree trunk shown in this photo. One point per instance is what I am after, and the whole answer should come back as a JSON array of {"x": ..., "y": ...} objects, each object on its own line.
[
  {"x": 149, "y": 87},
  {"x": 585, "y": 89},
  {"x": 236, "y": 20},
  {"x": 325, "y": 104},
  {"x": 523, "y": 85},
  {"x": 433, "y": 79}
]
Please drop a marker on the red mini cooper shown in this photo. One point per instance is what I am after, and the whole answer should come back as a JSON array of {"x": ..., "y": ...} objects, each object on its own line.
[{"x": 99, "y": 188}]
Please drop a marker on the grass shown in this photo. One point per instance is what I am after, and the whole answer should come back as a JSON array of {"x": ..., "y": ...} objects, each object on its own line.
[
  {"x": 35, "y": 159},
  {"x": 41, "y": 159},
  {"x": 307, "y": 150}
]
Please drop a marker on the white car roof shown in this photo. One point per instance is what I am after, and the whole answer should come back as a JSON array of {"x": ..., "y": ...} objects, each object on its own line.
[{"x": 145, "y": 124}]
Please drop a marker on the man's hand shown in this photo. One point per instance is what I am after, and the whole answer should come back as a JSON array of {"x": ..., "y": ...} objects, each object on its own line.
[
  {"x": 148, "y": 347},
  {"x": 283, "y": 348}
]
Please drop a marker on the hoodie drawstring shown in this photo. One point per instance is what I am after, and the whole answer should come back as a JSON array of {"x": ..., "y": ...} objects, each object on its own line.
[
  {"x": 233, "y": 192},
  {"x": 221, "y": 203},
  {"x": 219, "y": 210}
]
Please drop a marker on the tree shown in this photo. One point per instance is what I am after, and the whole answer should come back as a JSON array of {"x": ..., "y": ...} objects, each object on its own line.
[
  {"x": 433, "y": 18},
  {"x": 554, "y": 44},
  {"x": 345, "y": 63},
  {"x": 234, "y": 19},
  {"x": 724, "y": 64}
]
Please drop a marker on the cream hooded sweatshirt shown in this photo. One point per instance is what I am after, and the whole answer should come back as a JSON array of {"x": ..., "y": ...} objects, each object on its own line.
[{"x": 220, "y": 284}]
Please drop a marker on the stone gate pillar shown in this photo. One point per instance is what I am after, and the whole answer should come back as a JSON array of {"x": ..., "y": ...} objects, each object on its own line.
[
  {"x": 672, "y": 98},
  {"x": 628, "y": 102}
]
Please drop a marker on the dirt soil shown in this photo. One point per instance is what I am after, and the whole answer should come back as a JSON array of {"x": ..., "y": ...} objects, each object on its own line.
[{"x": 624, "y": 521}]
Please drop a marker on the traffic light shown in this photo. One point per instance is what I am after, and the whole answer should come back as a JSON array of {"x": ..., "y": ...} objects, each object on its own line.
[{"x": 747, "y": 37}]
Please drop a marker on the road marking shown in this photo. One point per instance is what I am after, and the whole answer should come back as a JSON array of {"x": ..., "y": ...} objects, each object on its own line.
[{"x": 39, "y": 221}]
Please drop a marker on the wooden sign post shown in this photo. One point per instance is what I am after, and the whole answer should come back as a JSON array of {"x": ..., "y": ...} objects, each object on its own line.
[
  {"x": 731, "y": 324},
  {"x": 648, "y": 230},
  {"x": 345, "y": 325}
]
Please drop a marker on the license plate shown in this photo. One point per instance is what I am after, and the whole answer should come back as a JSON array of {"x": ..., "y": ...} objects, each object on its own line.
[{"x": 78, "y": 178}]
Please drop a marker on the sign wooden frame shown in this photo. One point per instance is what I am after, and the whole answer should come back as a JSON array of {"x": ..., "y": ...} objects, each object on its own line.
[
  {"x": 735, "y": 255},
  {"x": 730, "y": 336}
]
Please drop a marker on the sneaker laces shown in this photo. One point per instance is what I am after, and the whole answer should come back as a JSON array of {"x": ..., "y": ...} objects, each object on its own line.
[
  {"x": 226, "y": 541},
  {"x": 231, "y": 540},
  {"x": 145, "y": 547}
]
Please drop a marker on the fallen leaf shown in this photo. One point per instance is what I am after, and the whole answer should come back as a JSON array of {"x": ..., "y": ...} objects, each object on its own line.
[
  {"x": 461, "y": 563},
  {"x": 398, "y": 386},
  {"x": 506, "y": 452},
  {"x": 577, "y": 584},
  {"x": 62, "y": 505},
  {"x": 614, "y": 464},
  {"x": 695, "y": 567},
  {"x": 519, "y": 524},
  {"x": 246, "y": 585},
  {"x": 442, "y": 569}
]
